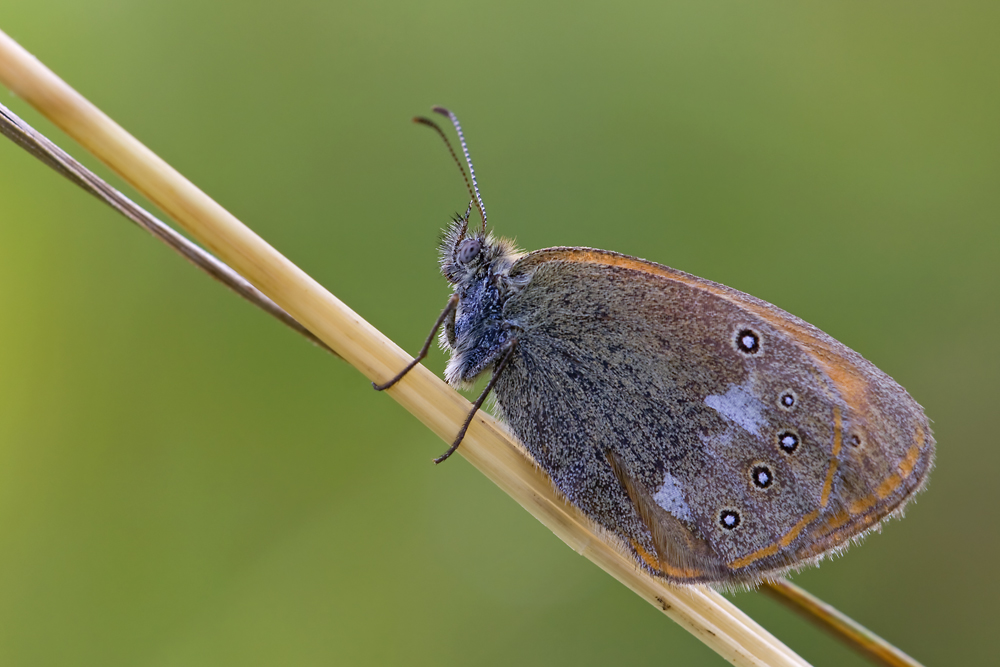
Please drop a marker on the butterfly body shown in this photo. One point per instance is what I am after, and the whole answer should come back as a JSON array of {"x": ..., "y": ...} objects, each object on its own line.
[{"x": 719, "y": 438}]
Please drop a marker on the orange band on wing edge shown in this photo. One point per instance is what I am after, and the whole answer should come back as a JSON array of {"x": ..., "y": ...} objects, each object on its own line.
[
  {"x": 834, "y": 461},
  {"x": 855, "y": 509},
  {"x": 656, "y": 564},
  {"x": 893, "y": 481},
  {"x": 785, "y": 540}
]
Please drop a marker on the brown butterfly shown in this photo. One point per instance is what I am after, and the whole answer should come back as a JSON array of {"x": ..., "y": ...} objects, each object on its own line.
[{"x": 720, "y": 438}]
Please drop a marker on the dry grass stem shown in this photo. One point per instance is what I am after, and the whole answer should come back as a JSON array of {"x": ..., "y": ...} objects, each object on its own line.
[
  {"x": 42, "y": 148},
  {"x": 842, "y": 627},
  {"x": 706, "y": 614}
]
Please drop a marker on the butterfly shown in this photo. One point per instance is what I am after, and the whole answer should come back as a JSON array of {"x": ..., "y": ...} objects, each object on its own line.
[{"x": 718, "y": 438}]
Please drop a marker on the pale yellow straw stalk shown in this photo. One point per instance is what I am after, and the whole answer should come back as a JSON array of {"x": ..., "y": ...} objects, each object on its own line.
[{"x": 704, "y": 613}]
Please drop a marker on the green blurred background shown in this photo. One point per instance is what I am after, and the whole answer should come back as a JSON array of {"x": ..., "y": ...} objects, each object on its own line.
[{"x": 185, "y": 482}]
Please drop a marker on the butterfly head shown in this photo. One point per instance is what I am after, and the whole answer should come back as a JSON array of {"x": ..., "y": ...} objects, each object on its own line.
[{"x": 471, "y": 255}]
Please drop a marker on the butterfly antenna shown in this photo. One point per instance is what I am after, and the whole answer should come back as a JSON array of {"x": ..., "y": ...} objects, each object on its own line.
[
  {"x": 434, "y": 126},
  {"x": 468, "y": 159}
]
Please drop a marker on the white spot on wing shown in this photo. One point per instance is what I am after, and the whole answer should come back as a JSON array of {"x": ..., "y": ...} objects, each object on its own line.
[
  {"x": 739, "y": 406},
  {"x": 671, "y": 498}
]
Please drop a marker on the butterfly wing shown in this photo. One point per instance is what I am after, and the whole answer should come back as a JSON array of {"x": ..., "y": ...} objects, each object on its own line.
[{"x": 720, "y": 438}]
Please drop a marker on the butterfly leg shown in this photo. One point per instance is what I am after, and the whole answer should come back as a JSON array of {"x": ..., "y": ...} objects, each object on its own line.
[
  {"x": 508, "y": 355},
  {"x": 449, "y": 310}
]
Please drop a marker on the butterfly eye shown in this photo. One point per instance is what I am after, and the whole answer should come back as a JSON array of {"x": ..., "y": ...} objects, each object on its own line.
[{"x": 468, "y": 250}]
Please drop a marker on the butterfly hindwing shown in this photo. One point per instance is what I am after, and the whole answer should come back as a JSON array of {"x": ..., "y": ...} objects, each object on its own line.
[{"x": 703, "y": 427}]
